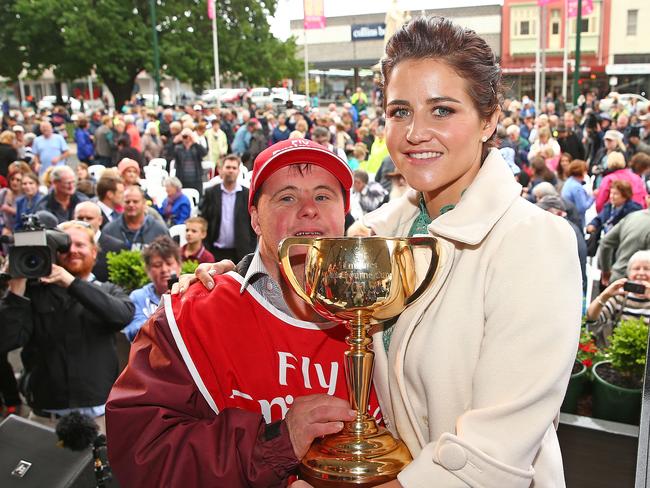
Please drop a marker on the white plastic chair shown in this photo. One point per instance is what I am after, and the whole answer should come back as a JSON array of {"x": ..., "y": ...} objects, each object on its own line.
[
  {"x": 95, "y": 171},
  {"x": 178, "y": 231},
  {"x": 158, "y": 163},
  {"x": 154, "y": 175},
  {"x": 194, "y": 196},
  {"x": 172, "y": 168}
]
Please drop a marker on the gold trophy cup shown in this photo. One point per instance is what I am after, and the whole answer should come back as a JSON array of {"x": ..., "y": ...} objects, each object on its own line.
[{"x": 360, "y": 281}]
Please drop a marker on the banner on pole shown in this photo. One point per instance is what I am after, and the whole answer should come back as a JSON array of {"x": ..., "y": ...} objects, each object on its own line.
[
  {"x": 314, "y": 14},
  {"x": 572, "y": 7},
  {"x": 210, "y": 9}
]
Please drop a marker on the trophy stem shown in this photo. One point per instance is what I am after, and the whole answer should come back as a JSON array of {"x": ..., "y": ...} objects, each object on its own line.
[{"x": 359, "y": 365}]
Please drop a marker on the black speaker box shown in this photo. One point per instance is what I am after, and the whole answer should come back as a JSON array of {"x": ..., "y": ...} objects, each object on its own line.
[{"x": 30, "y": 458}]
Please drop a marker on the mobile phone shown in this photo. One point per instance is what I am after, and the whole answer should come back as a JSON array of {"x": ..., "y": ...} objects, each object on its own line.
[{"x": 637, "y": 288}]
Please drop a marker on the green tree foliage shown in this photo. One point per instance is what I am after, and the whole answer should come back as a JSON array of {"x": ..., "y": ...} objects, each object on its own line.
[
  {"x": 126, "y": 269},
  {"x": 115, "y": 37}
]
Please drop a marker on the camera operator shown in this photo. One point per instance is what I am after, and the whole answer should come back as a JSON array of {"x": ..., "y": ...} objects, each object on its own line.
[{"x": 65, "y": 323}]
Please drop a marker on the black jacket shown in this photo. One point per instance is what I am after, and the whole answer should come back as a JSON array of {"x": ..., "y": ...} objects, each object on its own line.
[
  {"x": 50, "y": 204},
  {"x": 68, "y": 340},
  {"x": 106, "y": 244},
  {"x": 245, "y": 237}
]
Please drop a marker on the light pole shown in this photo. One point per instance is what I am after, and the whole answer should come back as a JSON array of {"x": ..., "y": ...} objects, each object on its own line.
[
  {"x": 576, "y": 72},
  {"x": 156, "y": 52}
]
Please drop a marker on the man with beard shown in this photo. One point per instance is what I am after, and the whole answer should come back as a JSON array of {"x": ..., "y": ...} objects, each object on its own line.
[
  {"x": 224, "y": 206},
  {"x": 66, "y": 324}
]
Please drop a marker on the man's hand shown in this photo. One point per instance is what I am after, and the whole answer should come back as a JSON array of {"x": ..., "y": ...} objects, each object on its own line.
[
  {"x": 315, "y": 416},
  {"x": 59, "y": 276},
  {"x": 17, "y": 286},
  {"x": 204, "y": 273}
]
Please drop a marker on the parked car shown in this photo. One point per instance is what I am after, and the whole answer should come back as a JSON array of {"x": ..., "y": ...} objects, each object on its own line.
[
  {"x": 260, "y": 96},
  {"x": 280, "y": 97},
  {"x": 225, "y": 96},
  {"x": 49, "y": 101},
  {"x": 625, "y": 99}
]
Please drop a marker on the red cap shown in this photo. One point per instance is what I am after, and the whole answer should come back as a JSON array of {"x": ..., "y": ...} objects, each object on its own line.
[{"x": 297, "y": 151}]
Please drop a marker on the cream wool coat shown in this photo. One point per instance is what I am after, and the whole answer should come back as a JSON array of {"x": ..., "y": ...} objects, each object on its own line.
[{"x": 478, "y": 366}]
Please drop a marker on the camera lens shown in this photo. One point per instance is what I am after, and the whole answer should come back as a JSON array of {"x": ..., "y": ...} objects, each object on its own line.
[{"x": 32, "y": 261}]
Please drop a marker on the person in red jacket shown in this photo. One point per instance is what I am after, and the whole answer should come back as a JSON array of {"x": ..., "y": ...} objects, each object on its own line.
[{"x": 229, "y": 386}]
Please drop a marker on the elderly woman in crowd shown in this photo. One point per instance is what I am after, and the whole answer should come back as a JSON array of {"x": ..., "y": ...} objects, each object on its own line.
[
  {"x": 176, "y": 208},
  {"x": 619, "y": 205},
  {"x": 617, "y": 171},
  {"x": 615, "y": 304}
]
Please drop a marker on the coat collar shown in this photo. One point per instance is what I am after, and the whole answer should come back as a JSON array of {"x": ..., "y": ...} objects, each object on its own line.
[{"x": 482, "y": 205}]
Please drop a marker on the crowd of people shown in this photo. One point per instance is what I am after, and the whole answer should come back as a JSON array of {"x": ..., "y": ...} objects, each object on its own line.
[{"x": 139, "y": 174}]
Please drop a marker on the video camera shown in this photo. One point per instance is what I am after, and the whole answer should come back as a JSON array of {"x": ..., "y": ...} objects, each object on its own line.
[{"x": 34, "y": 248}]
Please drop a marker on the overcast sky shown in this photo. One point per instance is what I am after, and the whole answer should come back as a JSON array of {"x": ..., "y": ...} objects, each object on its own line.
[{"x": 293, "y": 9}]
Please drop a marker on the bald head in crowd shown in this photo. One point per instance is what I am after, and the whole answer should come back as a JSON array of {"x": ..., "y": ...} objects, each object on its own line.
[{"x": 89, "y": 212}]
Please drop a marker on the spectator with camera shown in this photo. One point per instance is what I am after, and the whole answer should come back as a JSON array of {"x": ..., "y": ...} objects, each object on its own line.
[
  {"x": 65, "y": 322},
  {"x": 162, "y": 261},
  {"x": 63, "y": 197},
  {"x": 624, "y": 299}
]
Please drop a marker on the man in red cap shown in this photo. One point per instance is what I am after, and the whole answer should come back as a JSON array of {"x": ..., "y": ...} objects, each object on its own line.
[{"x": 229, "y": 386}]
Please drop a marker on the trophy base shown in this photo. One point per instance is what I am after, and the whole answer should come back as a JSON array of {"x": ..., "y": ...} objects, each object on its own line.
[{"x": 344, "y": 459}]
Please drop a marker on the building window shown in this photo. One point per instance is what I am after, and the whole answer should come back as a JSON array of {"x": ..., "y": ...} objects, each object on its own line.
[
  {"x": 584, "y": 25},
  {"x": 632, "y": 16},
  {"x": 524, "y": 28},
  {"x": 555, "y": 28}
]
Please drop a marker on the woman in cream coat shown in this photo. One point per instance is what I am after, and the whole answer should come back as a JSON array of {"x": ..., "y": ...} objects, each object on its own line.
[{"x": 472, "y": 376}]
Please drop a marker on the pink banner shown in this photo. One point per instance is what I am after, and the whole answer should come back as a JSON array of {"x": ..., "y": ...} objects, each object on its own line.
[
  {"x": 314, "y": 14},
  {"x": 587, "y": 8},
  {"x": 541, "y": 3},
  {"x": 210, "y": 9}
]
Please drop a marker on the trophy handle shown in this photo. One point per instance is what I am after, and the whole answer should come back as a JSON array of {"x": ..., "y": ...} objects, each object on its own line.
[
  {"x": 285, "y": 264},
  {"x": 431, "y": 243}
]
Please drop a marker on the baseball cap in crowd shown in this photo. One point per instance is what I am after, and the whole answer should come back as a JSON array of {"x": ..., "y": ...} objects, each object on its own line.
[
  {"x": 613, "y": 135},
  {"x": 18, "y": 128},
  {"x": 298, "y": 151},
  {"x": 127, "y": 163},
  {"x": 605, "y": 116},
  {"x": 634, "y": 132},
  {"x": 197, "y": 107}
]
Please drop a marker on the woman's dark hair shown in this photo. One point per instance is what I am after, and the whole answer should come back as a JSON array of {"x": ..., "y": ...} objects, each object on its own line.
[
  {"x": 462, "y": 49},
  {"x": 560, "y": 169},
  {"x": 163, "y": 246},
  {"x": 623, "y": 187},
  {"x": 540, "y": 170},
  {"x": 640, "y": 163}
]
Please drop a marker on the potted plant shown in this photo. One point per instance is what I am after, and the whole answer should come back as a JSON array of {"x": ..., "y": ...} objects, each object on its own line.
[
  {"x": 618, "y": 380},
  {"x": 588, "y": 354}
]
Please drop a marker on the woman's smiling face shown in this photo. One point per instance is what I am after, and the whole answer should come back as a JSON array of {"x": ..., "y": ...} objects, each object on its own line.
[{"x": 434, "y": 132}]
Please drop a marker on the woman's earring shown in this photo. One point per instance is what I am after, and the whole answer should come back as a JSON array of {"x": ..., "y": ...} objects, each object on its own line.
[{"x": 484, "y": 139}]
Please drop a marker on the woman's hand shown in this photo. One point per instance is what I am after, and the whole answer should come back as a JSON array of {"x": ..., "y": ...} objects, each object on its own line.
[
  {"x": 204, "y": 273},
  {"x": 613, "y": 289}
]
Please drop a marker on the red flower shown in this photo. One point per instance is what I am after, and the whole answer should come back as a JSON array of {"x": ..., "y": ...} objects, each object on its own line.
[{"x": 587, "y": 362}]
